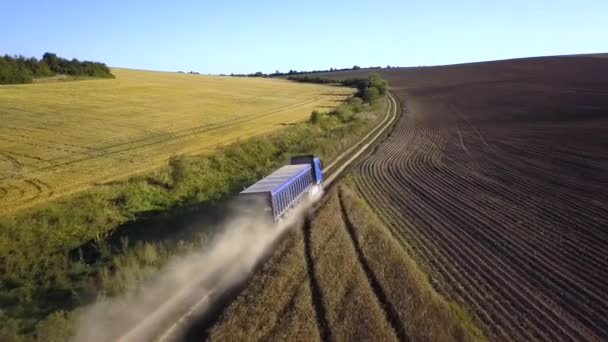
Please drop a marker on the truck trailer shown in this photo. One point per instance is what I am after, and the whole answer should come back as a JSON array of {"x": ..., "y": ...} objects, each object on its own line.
[{"x": 283, "y": 189}]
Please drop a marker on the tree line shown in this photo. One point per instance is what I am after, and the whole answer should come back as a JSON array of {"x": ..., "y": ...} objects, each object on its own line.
[
  {"x": 292, "y": 72},
  {"x": 20, "y": 69},
  {"x": 369, "y": 91}
]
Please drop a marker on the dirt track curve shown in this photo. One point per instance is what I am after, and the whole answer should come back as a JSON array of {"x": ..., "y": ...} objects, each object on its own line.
[
  {"x": 178, "y": 317},
  {"x": 496, "y": 178}
]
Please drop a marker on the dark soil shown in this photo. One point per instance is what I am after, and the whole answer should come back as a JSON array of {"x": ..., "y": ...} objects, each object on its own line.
[{"x": 496, "y": 178}]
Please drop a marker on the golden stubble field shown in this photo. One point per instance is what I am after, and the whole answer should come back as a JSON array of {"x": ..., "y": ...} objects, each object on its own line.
[{"x": 60, "y": 138}]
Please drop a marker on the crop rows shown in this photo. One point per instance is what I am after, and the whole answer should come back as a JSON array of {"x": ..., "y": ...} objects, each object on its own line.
[{"x": 508, "y": 222}]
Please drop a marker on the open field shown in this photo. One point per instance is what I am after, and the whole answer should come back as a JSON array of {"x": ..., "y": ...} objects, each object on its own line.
[
  {"x": 496, "y": 178},
  {"x": 59, "y": 138},
  {"x": 341, "y": 276},
  {"x": 112, "y": 239}
]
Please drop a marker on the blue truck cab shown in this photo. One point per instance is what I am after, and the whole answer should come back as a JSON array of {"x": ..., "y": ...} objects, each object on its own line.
[{"x": 315, "y": 163}]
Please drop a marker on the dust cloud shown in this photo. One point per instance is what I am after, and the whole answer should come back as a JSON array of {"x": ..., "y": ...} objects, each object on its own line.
[{"x": 186, "y": 287}]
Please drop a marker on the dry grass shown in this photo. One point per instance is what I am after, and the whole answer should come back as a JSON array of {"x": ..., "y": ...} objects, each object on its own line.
[
  {"x": 59, "y": 138},
  {"x": 276, "y": 303},
  {"x": 426, "y": 315},
  {"x": 343, "y": 277},
  {"x": 352, "y": 311}
]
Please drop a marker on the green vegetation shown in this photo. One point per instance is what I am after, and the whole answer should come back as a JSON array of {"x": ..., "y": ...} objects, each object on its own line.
[
  {"x": 370, "y": 89},
  {"x": 369, "y": 92},
  {"x": 64, "y": 255},
  {"x": 342, "y": 276},
  {"x": 292, "y": 72},
  {"x": 19, "y": 69}
]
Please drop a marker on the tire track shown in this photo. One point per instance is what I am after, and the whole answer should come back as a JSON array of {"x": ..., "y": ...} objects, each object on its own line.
[
  {"x": 315, "y": 289},
  {"x": 390, "y": 313}
]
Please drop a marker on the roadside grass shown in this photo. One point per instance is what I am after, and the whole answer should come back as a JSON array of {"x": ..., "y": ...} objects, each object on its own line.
[
  {"x": 59, "y": 138},
  {"x": 317, "y": 286},
  {"x": 64, "y": 254}
]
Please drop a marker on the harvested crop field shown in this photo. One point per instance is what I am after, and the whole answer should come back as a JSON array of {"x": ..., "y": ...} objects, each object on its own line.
[
  {"x": 496, "y": 178},
  {"x": 59, "y": 138}
]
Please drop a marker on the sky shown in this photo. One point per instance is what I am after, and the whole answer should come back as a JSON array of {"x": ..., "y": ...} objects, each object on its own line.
[{"x": 237, "y": 36}]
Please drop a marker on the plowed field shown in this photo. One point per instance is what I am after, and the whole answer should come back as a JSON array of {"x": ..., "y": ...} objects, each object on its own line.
[{"x": 496, "y": 178}]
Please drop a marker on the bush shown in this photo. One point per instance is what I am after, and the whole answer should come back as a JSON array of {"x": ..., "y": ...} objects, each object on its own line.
[
  {"x": 315, "y": 117},
  {"x": 377, "y": 82},
  {"x": 356, "y": 104},
  {"x": 344, "y": 113},
  {"x": 14, "y": 70},
  {"x": 369, "y": 90},
  {"x": 18, "y": 69},
  {"x": 371, "y": 94},
  {"x": 57, "y": 327}
]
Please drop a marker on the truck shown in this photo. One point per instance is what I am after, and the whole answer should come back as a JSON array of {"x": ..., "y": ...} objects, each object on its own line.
[{"x": 276, "y": 194}]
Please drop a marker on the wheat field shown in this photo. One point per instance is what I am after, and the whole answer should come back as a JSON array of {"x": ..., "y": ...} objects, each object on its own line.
[{"x": 60, "y": 138}]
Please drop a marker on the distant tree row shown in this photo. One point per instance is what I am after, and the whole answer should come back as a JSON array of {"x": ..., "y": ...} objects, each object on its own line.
[
  {"x": 312, "y": 79},
  {"x": 20, "y": 69},
  {"x": 292, "y": 72},
  {"x": 369, "y": 89}
]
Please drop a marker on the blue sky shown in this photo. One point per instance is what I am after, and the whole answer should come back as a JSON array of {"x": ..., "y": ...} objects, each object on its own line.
[{"x": 248, "y": 36}]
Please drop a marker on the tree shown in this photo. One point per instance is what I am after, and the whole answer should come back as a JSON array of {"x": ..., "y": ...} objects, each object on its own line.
[
  {"x": 315, "y": 117},
  {"x": 377, "y": 82},
  {"x": 356, "y": 67},
  {"x": 371, "y": 94},
  {"x": 51, "y": 60},
  {"x": 13, "y": 70},
  {"x": 43, "y": 70}
]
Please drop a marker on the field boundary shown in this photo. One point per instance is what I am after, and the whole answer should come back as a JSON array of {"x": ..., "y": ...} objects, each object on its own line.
[{"x": 381, "y": 128}]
